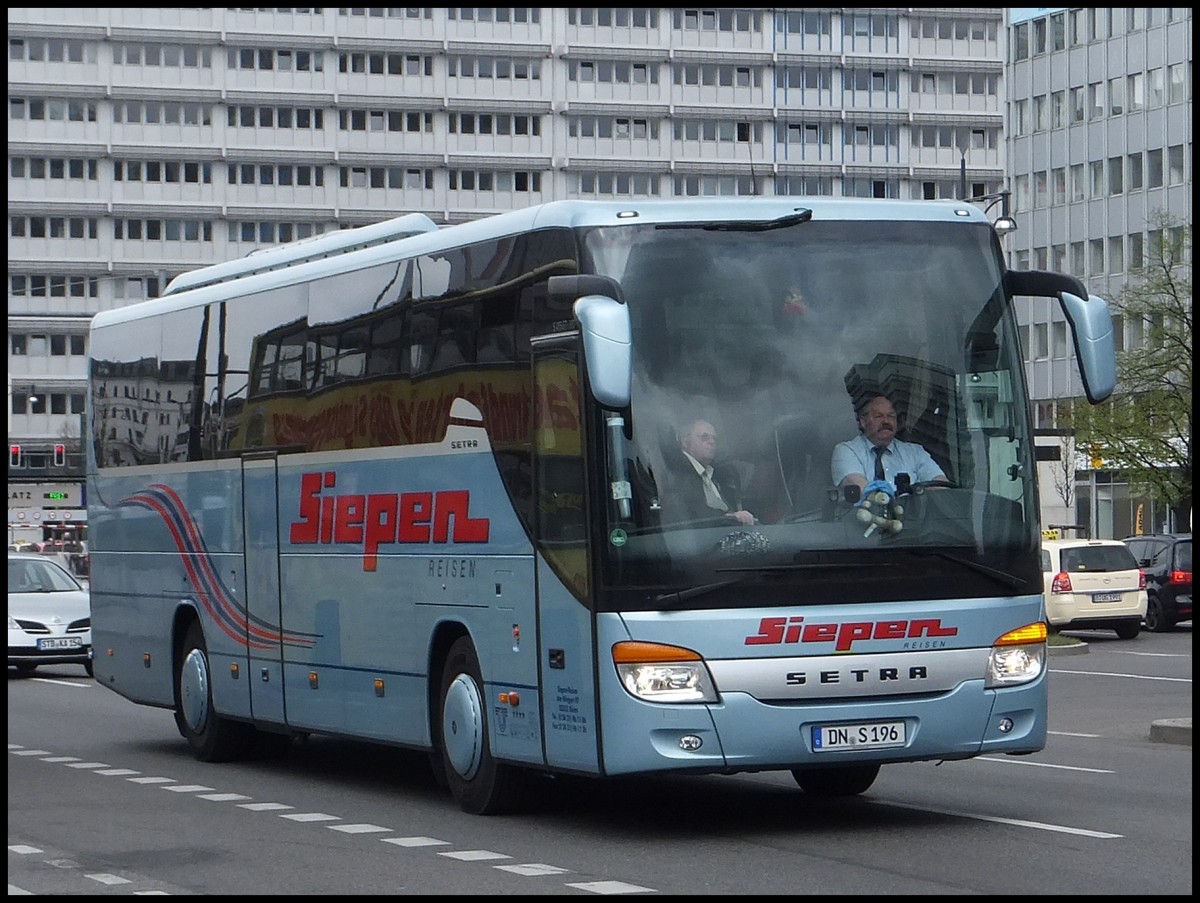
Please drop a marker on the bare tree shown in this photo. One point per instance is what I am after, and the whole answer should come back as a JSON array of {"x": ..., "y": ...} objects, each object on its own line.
[{"x": 1145, "y": 429}]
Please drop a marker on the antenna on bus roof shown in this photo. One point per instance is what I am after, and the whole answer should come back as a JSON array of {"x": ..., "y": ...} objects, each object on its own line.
[{"x": 328, "y": 244}]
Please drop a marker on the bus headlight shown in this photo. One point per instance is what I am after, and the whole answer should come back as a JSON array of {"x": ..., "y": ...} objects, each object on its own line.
[
  {"x": 1018, "y": 656},
  {"x": 656, "y": 672}
]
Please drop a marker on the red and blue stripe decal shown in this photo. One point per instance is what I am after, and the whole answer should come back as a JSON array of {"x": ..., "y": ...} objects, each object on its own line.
[{"x": 214, "y": 596}]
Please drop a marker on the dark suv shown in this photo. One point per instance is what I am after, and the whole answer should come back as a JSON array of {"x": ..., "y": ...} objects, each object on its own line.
[{"x": 1166, "y": 559}]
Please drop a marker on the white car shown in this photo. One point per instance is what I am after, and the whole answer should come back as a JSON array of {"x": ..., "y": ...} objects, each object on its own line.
[
  {"x": 49, "y": 615},
  {"x": 1093, "y": 584}
]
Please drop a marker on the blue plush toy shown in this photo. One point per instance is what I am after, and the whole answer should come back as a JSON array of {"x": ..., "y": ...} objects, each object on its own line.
[{"x": 878, "y": 508}]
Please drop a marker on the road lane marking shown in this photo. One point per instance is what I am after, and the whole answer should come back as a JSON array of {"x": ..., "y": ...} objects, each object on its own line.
[
  {"x": 611, "y": 887},
  {"x": 1016, "y": 822},
  {"x": 473, "y": 855},
  {"x": 1042, "y": 765},
  {"x": 360, "y": 829},
  {"x": 532, "y": 869},
  {"x": 1178, "y": 680}
]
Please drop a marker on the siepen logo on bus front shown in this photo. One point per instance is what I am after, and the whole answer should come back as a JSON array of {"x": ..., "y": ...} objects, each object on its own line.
[
  {"x": 382, "y": 518},
  {"x": 780, "y": 631}
]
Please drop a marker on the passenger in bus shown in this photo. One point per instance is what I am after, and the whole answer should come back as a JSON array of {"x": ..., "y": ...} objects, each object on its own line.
[
  {"x": 696, "y": 489},
  {"x": 876, "y": 454}
]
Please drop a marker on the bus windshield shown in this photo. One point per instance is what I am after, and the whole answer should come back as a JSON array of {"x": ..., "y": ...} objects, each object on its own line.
[{"x": 768, "y": 344}]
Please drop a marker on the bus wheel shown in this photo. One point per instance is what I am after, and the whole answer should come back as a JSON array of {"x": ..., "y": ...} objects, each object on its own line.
[
  {"x": 480, "y": 785},
  {"x": 211, "y": 737},
  {"x": 841, "y": 780}
]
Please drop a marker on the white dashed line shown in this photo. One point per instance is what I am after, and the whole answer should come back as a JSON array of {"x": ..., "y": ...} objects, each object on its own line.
[
  {"x": 474, "y": 855},
  {"x": 265, "y": 807},
  {"x": 611, "y": 887},
  {"x": 532, "y": 869},
  {"x": 525, "y": 870},
  {"x": 105, "y": 878},
  {"x": 359, "y": 829},
  {"x": 416, "y": 841}
]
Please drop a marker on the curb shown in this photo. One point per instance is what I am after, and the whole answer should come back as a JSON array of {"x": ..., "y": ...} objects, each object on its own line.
[
  {"x": 1073, "y": 649},
  {"x": 1172, "y": 730}
]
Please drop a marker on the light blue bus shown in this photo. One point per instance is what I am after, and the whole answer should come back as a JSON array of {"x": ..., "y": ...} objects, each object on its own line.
[{"x": 423, "y": 492}]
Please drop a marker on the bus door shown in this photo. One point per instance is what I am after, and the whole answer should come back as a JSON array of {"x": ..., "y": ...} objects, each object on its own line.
[
  {"x": 260, "y": 512},
  {"x": 566, "y": 663}
]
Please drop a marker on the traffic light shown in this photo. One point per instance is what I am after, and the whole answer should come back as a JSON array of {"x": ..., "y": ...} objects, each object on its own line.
[
  {"x": 14, "y": 456},
  {"x": 60, "y": 455}
]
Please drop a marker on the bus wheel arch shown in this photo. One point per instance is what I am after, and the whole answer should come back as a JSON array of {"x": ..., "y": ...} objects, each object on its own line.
[
  {"x": 212, "y": 737},
  {"x": 479, "y": 784}
]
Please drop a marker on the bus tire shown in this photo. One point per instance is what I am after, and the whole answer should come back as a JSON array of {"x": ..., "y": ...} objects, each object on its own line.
[
  {"x": 479, "y": 784},
  {"x": 212, "y": 737},
  {"x": 840, "y": 780}
]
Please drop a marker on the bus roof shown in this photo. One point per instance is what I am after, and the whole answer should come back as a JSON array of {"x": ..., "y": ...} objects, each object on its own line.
[
  {"x": 306, "y": 263},
  {"x": 316, "y": 247}
]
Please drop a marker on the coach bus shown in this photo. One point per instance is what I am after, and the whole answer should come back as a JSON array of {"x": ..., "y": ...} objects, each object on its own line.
[{"x": 419, "y": 493}]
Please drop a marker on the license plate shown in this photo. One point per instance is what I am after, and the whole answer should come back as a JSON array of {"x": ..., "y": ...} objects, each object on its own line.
[
  {"x": 1106, "y": 597},
  {"x": 873, "y": 735},
  {"x": 67, "y": 642}
]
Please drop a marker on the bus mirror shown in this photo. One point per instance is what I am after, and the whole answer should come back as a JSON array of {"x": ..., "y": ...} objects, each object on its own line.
[
  {"x": 1090, "y": 321},
  {"x": 1095, "y": 344},
  {"x": 607, "y": 348}
]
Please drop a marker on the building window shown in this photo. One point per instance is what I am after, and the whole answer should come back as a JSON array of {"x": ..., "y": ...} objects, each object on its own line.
[
  {"x": 1136, "y": 175},
  {"x": 1154, "y": 168},
  {"x": 1116, "y": 176}
]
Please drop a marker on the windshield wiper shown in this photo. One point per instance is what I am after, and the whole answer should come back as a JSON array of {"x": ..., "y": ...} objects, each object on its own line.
[
  {"x": 1002, "y": 577},
  {"x": 770, "y": 570},
  {"x": 678, "y": 598}
]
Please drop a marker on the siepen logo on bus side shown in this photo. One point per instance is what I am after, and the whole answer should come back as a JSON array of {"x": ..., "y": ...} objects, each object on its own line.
[
  {"x": 779, "y": 631},
  {"x": 382, "y": 518}
]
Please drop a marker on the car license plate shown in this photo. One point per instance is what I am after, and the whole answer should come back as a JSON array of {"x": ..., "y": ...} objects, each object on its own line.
[
  {"x": 66, "y": 642},
  {"x": 873, "y": 735},
  {"x": 1106, "y": 597}
]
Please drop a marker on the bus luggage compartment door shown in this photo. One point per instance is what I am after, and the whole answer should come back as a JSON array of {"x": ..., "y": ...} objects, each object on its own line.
[{"x": 260, "y": 492}]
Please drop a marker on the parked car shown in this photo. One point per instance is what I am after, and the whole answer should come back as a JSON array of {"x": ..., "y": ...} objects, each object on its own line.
[
  {"x": 1166, "y": 559},
  {"x": 1093, "y": 583},
  {"x": 49, "y": 615}
]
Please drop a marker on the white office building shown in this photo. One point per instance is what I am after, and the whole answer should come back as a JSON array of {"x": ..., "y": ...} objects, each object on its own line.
[{"x": 1099, "y": 139}]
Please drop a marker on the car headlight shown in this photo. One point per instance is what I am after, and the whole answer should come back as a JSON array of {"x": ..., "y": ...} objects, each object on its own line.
[
  {"x": 1018, "y": 656},
  {"x": 656, "y": 672},
  {"x": 12, "y": 623}
]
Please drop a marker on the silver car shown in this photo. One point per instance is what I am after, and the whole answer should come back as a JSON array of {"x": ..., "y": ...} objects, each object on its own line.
[{"x": 49, "y": 615}]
